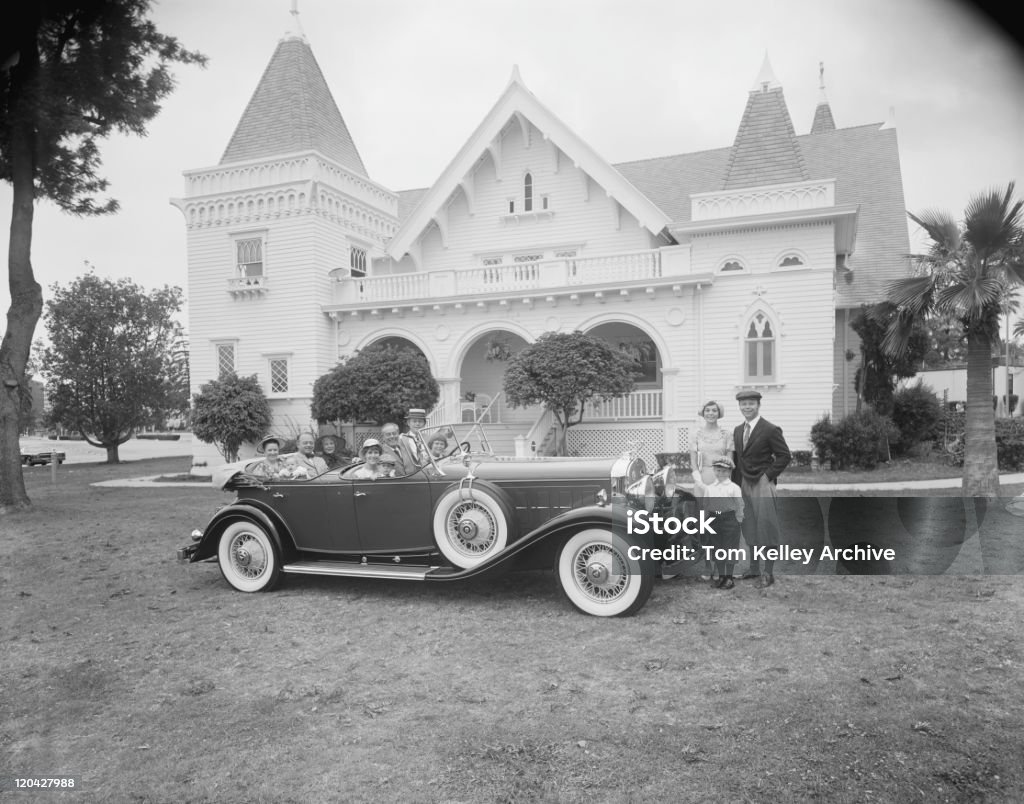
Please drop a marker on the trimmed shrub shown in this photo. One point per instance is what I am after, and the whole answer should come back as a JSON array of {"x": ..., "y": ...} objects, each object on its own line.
[
  {"x": 856, "y": 442},
  {"x": 1010, "y": 444},
  {"x": 917, "y": 412}
]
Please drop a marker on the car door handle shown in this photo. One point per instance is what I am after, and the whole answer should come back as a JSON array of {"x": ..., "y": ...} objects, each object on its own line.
[
  {"x": 278, "y": 495},
  {"x": 360, "y": 494}
]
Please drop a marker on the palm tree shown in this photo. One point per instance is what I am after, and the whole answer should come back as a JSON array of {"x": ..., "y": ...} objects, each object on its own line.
[{"x": 968, "y": 272}]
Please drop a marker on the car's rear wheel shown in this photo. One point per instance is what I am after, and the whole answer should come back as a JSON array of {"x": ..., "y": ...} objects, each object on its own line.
[
  {"x": 598, "y": 576},
  {"x": 471, "y": 525},
  {"x": 248, "y": 557}
]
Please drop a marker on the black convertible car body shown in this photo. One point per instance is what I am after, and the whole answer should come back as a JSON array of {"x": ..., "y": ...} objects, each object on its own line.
[{"x": 470, "y": 514}]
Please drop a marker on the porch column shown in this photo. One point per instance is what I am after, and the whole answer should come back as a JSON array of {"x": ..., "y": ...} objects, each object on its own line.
[
  {"x": 450, "y": 396},
  {"x": 670, "y": 408}
]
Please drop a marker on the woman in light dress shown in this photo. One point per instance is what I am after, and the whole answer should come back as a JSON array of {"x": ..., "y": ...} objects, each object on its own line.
[
  {"x": 272, "y": 464},
  {"x": 709, "y": 443}
]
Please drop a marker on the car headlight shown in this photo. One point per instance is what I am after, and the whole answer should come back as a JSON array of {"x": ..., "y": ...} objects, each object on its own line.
[
  {"x": 641, "y": 493},
  {"x": 665, "y": 482}
]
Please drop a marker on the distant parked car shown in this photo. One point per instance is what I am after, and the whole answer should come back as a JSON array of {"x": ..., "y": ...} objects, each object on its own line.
[
  {"x": 461, "y": 517},
  {"x": 41, "y": 458}
]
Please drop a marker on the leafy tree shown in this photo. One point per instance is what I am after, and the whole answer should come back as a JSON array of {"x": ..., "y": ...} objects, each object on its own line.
[
  {"x": 565, "y": 370},
  {"x": 179, "y": 400},
  {"x": 879, "y": 371},
  {"x": 72, "y": 72},
  {"x": 109, "y": 362},
  {"x": 229, "y": 412},
  {"x": 969, "y": 273},
  {"x": 376, "y": 384}
]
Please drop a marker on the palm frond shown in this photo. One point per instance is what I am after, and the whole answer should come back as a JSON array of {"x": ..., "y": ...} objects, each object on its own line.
[
  {"x": 941, "y": 228},
  {"x": 896, "y": 341},
  {"x": 913, "y": 293},
  {"x": 992, "y": 221}
]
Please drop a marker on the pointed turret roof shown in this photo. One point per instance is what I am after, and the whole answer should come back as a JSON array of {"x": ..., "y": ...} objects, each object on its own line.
[
  {"x": 765, "y": 150},
  {"x": 823, "y": 112},
  {"x": 293, "y": 110}
]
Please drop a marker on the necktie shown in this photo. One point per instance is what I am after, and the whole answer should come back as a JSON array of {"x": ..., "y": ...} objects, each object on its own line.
[{"x": 746, "y": 434}]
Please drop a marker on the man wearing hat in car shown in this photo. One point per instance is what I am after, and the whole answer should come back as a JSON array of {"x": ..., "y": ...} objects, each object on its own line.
[
  {"x": 761, "y": 455},
  {"x": 417, "y": 419}
]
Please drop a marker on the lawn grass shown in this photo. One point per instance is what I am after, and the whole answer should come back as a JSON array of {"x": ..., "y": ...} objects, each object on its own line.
[{"x": 152, "y": 681}]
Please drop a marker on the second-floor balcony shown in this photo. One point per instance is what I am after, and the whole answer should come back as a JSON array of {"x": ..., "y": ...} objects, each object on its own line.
[{"x": 650, "y": 267}]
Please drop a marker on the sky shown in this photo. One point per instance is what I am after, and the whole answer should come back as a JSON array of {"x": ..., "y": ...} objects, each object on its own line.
[{"x": 636, "y": 79}]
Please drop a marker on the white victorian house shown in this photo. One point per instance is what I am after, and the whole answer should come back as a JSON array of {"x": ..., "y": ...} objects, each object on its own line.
[{"x": 735, "y": 267}]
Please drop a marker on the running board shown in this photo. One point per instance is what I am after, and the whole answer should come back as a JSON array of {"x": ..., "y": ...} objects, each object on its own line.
[{"x": 349, "y": 570}]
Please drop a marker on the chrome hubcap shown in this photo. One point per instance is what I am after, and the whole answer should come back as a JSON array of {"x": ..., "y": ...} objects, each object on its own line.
[
  {"x": 472, "y": 528},
  {"x": 248, "y": 556},
  {"x": 600, "y": 571}
]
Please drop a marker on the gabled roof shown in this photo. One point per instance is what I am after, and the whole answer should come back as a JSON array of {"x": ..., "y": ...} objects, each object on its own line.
[
  {"x": 293, "y": 110},
  {"x": 518, "y": 101},
  {"x": 765, "y": 149}
]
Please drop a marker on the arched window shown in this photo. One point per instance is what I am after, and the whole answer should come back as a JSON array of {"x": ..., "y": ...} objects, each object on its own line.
[
  {"x": 731, "y": 265},
  {"x": 528, "y": 193},
  {"x": 790, "y": 261},
  {"x": 759, "y": 350}
]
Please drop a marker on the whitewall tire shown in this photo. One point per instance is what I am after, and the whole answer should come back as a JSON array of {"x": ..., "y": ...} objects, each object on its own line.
[
  {"x": 248, "y": 557},
  {"x": 471, "y": 525},
  {"x": 599, "y": 578}
]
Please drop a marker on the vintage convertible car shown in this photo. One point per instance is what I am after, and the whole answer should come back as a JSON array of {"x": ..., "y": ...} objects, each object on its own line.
[{"x": 469, "y": 514}]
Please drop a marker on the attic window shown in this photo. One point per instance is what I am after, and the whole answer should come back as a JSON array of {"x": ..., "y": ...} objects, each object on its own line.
[
  {"x": 731, "y": 265},
  {"x": 790, "y": 260},
  {"x": 528, "y": 193}
]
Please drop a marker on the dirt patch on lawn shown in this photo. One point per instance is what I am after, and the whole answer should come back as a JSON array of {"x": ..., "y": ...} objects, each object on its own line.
[{"x": 153, "y": 681}]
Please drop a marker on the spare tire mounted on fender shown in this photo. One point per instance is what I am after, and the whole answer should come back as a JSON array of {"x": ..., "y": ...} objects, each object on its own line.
[{"x": 473, "y": 522}]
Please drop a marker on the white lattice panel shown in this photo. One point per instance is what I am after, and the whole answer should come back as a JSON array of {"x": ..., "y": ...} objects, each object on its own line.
[
  {"x": 684, "y": 439},
  {"x": 609, "y": 442}
]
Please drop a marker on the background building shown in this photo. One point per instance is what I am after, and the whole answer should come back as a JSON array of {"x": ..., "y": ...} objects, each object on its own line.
[{"x": 734, "y": 267}]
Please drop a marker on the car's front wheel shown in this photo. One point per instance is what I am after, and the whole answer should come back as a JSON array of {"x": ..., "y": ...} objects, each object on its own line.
[
  {"x": 248, "y": 557},
  {"x": 598, "y": 576}
]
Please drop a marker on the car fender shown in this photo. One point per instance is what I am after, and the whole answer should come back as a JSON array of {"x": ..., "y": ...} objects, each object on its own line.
[
  {"x": 538, "y": 546},
  {"x": 207, "y": 547}
]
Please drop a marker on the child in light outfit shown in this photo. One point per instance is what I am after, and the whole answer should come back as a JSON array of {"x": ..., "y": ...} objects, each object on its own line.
[
  {"x": 292, "y": 470},
  {"x": 724, "y": 499}
]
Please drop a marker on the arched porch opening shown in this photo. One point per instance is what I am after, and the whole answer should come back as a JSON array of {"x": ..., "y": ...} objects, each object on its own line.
[
  {"x": 645, "y": 402},
  {"x": 481, "y": 375}
]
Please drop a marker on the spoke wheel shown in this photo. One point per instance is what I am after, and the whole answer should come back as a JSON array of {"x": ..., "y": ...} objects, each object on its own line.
[
  {"x": 599, "y": 578},
  {"x": 470, "y": 527},
  {"x": 248, "y": 557}
]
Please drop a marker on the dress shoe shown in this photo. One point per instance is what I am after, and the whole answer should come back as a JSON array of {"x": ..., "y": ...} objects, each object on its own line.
[
  {"x": 748, "y": 575},
  {"x": 728, "y": 583}
]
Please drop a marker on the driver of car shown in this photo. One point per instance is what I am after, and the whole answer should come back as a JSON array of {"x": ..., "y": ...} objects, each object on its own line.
[{"x": 438, "y": 446}]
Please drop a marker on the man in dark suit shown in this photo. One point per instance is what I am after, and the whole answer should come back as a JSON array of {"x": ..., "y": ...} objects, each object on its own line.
[{"x": 761, "y": 455}]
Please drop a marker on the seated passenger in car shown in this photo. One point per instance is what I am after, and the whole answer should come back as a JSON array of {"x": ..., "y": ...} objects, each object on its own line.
[
  {"x": 293, "y": 470},
  {"x": 388, "y": 465},
  {"x": 370, "y": 452},
  {"x": 272, "y": 464}
]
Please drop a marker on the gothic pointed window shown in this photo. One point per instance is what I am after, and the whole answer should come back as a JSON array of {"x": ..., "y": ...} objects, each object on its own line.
[
  {"x": 759, "y": 346},
  {"x": 528, "y": 193}
]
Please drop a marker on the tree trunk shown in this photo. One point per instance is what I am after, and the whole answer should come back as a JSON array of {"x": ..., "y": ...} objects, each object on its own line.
[
  {"x": 26, "y": 295},
  {"x": 981, "y": 471},
  {"x": 112, "y": 454}
]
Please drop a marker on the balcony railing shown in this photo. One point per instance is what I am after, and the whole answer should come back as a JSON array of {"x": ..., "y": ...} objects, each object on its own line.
[
  {"x": 644, "y": 404},
  {"x": 542, "y": 275}
]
